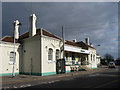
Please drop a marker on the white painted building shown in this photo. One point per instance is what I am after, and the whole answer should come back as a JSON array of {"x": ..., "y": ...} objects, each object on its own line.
[
  {"x": 39, "y": 49},
  {"x": 6, "y": 52},
  {"x": 98, "y": 59}
]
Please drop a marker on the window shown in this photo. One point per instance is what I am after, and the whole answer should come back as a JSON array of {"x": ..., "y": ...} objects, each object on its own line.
[
  {"x": 73, "y": 57},
  {"x": 66, "y": 56},
  {"x": 91, "y": 57},
  {"x": 57, "y": 54},
  {"x": 50, "y": 54},
  {"x": 11, "y": 61}
]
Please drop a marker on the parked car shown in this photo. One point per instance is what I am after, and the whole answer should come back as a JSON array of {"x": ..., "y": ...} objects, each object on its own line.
[{"x": 111, "y": 65}]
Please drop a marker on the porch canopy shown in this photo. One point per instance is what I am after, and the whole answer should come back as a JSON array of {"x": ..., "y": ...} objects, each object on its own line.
[{"x": 74, "y": 49}]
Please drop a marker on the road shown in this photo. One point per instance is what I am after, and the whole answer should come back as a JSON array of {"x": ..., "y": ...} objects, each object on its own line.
[{"x": 106, "y": 79}]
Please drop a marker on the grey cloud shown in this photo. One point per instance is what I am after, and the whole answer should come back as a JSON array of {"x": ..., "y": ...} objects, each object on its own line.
[{"x": 96, "y": 20}]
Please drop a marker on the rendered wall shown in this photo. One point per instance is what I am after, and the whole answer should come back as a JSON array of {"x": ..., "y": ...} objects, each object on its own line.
[
  {"x": 49, "y": 67},
  {"x": 6, "y": 68},
  {"x": 31, "y": 56},
  {"x": 93, "y": 63}
]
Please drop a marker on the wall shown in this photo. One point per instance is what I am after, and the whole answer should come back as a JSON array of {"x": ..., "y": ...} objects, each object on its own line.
[
  {"x": 49, "y": 67},
  {"x": 92, "y": 61},
  {"x": 31, "y": 56},
  {"x": 6, "y": 68}
]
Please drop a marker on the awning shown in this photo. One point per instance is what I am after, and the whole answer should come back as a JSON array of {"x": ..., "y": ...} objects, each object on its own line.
[{"x": 74, "y": 49}]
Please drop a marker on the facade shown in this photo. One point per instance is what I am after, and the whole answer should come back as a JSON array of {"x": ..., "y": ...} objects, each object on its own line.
[
  {"x": 40, "y": 53},
  {"x": 98, "y": 59},
  {"x": 80, "y": 54},
  {"x": 38, "y": 50},
  {"x": 6, "y": 52}
]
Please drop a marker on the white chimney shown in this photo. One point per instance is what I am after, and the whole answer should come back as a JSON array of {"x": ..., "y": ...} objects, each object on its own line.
[
  {"x": 16, "y": 26},
  {"x": 87, "y": 40},
  {"x": 91, "y": 45},
  {"x": 74, "y": 40},
  {"x": 32, "y": 31}
]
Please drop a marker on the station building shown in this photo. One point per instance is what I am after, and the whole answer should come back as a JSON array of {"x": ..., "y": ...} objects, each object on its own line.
[{"x": 38, "y": 50}]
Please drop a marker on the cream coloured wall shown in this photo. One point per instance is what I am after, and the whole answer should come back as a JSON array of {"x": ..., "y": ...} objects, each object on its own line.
[
  {"x": 31, "y": 55},
  {"x": 92, "y": 61},
  {"x": 6, "y": 68},
  {"x": 49, "y": 67}
]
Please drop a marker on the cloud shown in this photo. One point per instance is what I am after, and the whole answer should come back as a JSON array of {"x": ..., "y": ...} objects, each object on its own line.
[{"x": 99, "y": 21}]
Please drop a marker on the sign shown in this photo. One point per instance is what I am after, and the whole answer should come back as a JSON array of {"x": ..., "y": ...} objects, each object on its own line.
[{"x": 76, "y": 59}]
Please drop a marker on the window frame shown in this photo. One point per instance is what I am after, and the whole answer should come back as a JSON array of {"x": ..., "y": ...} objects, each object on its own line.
[
  {"x": 50, "y": 54},
  {"x": 57, "y": 54},
  {"x": 12, "y": 61}
]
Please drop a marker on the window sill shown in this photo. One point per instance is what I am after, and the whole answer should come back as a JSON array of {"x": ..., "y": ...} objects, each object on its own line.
[
  {"x": 51, "y": 61},
  {"x": 11, "y": 63}
]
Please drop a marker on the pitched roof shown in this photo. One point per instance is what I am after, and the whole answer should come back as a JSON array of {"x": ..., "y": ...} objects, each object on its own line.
[
  {"x": 84, "y": 45},
  {"x": 38, "y": 32},
  {"x": 7, "y": 39},
  {"x": 46, "y": 33},
  {"x": 71, "y": 43}
]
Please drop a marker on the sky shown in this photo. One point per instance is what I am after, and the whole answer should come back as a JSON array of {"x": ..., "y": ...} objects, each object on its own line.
[{"x": 96, "y": 20}]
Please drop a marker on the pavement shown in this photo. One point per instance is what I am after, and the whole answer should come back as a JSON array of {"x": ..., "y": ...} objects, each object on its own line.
[{"x": 22, "y": 81}]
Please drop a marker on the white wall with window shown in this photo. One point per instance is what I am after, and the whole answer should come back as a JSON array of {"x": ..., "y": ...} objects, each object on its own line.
[
  {"x": 7, "y": 55},
  {"x": 50, "y": 53},
  {"x": 57, "y": 54}
]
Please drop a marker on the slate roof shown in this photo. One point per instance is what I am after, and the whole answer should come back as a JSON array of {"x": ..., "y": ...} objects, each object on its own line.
[{"x": 46, "y": 33}]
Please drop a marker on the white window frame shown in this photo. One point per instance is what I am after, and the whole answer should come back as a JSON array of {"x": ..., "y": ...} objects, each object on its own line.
[
  {"x": 11, "y": 57},
  {"x": 57, "y": 54},
  {"x": 50, "y": 54}
]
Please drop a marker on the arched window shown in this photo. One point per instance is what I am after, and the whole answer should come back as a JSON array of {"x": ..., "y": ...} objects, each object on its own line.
[
  {"x": 57, "y": 54},
  {"x": 12, "y": 57},
  {"x": 91, "y": 57},
  {"x": 50, "y": 54}
]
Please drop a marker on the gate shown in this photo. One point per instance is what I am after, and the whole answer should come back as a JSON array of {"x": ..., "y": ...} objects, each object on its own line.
[{"x": 60, "y": 66}]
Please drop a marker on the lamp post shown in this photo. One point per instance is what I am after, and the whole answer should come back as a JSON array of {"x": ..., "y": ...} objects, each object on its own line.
[{"x": 16, "y": 36}]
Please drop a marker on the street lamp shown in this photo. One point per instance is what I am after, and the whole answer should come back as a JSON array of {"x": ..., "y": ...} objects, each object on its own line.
[{"x": 16, "y": 36}]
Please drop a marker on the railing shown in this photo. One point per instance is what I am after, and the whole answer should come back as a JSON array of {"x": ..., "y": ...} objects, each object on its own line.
[{"x": 73, "y": 62}]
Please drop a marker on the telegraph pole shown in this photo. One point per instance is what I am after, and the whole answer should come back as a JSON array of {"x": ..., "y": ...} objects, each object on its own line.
[{"x": 63, "y": 41}]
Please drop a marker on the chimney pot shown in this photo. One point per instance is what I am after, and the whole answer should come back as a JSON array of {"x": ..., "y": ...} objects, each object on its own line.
[
  {"x": 74, "y": 40},
  {"x": 87, "y": 40}
]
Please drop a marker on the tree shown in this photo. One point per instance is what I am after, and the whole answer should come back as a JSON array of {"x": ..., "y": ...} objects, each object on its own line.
[{"x": 108, "y": 57}]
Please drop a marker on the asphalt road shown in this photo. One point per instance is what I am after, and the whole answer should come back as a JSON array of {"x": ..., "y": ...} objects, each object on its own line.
[{"x": 109, "y": 78}]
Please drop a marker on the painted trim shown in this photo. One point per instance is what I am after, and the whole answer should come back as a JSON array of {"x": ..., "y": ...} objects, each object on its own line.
[
  {"x": 93, "y": 67},
  {"x": 28, "y": 73},
  {"x": 8, "y": 74},
  {"x": 68, "y": 71},
  {"x": 39, "y": 74},
  {"x": 48, "y": 73}
]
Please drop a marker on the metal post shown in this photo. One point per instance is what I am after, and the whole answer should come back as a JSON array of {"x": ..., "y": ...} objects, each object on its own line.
[
  {"x": 16, "y": 36},
  {"x": 13, "y": 74},
  {"x": 63, "y": 39}
]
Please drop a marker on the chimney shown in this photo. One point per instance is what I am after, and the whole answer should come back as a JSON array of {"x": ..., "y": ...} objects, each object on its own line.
[
  {"x": 87, "y": 40},
  {"x": 91, "y": 45},
  {"x": 32, "y": 31},
  {"x": 16, "y": 26},
  {"x": 74, "y": 40}
]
